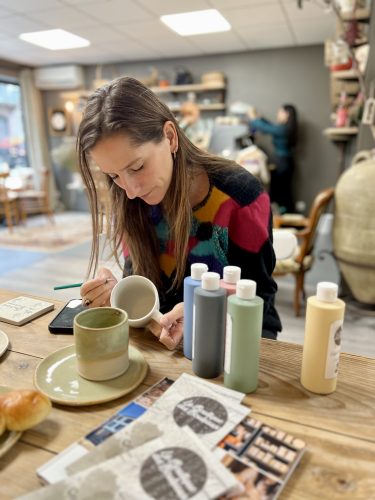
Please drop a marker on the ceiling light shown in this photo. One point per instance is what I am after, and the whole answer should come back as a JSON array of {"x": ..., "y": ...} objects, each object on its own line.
[
  {"x": 55, "y": 39},
  {"x": 196, "y": 23}
]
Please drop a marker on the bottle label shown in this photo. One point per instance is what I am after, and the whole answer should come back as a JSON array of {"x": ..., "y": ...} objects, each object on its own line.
[
  {"x": 333, "y": 351},
  {"x": 228, "y": 345},
  {"x": 193, "y": 334}
]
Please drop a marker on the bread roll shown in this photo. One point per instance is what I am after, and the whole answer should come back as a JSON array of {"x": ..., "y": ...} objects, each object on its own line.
[
  {"x": 23, "y": 409},
  {"x": 2, "y": 424}
]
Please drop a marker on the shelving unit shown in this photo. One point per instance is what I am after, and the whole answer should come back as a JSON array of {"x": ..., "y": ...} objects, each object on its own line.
[
  {"x": 350, "y": 80},
  {"x": 176, "y": 90},
  {"x": 193, "y": 87},
  {"x": 359, "y": 15},
  {"x": 175, "y": 95},
  {"x": 340, "y": 134},
  {"x": 349, "y": 74}
]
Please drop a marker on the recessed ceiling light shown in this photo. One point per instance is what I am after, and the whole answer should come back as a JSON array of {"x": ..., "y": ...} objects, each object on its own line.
[
  {"x": 55, "y": 39},
  {"x": 196, "y": 23}
]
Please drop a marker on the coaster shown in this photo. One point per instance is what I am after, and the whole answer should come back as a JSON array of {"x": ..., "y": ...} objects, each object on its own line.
[
  {"x": 56, "y": 376},
  {"x": 4, "y": 342}
]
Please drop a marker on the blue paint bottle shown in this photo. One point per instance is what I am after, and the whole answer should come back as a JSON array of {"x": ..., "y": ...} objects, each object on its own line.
[{"x": 190, "y": 283}]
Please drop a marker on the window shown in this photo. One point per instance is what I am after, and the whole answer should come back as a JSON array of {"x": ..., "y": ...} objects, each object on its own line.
[{"x": 12, "y": 134}]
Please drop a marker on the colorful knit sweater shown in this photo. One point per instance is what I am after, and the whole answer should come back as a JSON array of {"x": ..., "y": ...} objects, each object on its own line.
[{"x": 232, "y": 226}]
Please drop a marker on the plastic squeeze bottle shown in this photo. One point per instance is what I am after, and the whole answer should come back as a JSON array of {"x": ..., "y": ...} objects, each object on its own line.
[
  {"x": 209, "y": 327},
  {"x": 190, "y": 283},
  {"x": 321, "y": 349},
  {"x": 231, "y": 274},
  {"x": 244, "y": 330}
]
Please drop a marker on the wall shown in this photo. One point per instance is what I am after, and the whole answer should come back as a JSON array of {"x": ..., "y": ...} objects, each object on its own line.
[{"x": 266, "y": 79}]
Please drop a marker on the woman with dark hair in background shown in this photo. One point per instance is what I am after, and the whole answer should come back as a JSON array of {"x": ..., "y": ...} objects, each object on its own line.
[{"x": 284, "y": 139}]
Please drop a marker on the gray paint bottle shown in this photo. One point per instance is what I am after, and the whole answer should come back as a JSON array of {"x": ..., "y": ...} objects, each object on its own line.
[{"x": 209, "y": 321}]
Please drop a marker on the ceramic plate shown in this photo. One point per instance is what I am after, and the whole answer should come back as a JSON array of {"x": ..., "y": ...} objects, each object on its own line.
[
  {"x": 8, "y": 438},
  {"x": 56, "y": 377},
  {"x": 4, "y": 342}
]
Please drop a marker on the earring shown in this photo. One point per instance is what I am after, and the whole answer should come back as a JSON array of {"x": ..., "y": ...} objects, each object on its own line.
[{"x": 174, "y": 154}]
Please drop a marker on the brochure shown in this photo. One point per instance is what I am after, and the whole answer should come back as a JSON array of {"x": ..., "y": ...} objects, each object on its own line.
[
  {"x": 208, "y": 412},
  {"x": 176, "y": 465},
  {"x": 262, "y": 458}
]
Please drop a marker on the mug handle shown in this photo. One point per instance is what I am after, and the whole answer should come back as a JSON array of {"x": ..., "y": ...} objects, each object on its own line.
[{"x": 156, "y": 316}]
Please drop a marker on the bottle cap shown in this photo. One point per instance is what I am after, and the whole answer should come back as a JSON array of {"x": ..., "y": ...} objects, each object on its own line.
[
  {"x": 246, "y": 289},
  {"x": 211, "y": 281},
  {"x": 231, "y": 274},
  {"x": 197, "y": 269},
  {"x": 326, "y": 291}
]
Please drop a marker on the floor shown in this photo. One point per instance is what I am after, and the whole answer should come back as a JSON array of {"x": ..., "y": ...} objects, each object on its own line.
[{"x": 38, "y": 273}]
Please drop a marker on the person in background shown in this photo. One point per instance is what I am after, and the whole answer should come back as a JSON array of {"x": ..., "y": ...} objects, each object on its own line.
[
  {"x": 172, "y": 205},
  {"x": 284, "y": 139},
  {"x": 193, "y": 126}
]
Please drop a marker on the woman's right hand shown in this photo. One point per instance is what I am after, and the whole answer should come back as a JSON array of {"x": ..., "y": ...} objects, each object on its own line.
[
  {"x": 252, "y": 113},
  {"x": 97, "y": 291}
]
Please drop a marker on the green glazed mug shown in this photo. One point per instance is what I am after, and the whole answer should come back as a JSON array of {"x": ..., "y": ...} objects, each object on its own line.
[{"x": 101, "y": 337}]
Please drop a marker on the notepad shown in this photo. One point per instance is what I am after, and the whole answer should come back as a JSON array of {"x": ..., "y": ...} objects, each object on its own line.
[{"x": 20, "y": 310}]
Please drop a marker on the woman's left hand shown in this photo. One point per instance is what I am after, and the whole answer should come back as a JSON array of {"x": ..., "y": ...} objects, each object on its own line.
[{"x": 172, "y": 324}]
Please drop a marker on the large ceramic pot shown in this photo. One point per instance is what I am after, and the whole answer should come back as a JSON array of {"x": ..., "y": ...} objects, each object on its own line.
[{"x": 354, "y": 227}]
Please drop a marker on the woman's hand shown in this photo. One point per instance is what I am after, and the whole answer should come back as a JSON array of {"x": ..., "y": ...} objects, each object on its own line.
[
  {"x": 252, "y": 113},
  {"x": 172, "y": 324},
  {"x": 97, "y": 292}
]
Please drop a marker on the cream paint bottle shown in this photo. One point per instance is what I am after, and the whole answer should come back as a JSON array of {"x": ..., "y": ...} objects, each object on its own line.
[{"x": 321, "y": 348}]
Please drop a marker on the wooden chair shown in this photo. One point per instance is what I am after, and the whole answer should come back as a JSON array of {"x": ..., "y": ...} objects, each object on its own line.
[
  {"x": 303, "y": 259},
  {"x": 36, "y": 201},
  {"x": 10, "y": 206}
]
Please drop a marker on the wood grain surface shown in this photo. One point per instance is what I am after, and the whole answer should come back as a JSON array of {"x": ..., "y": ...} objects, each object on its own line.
[{"x": 339, "y": 428}]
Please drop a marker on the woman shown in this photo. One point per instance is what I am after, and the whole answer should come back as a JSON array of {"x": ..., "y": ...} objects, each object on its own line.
[
  {"x": 284, "y": 138},
  {"x": 172, "y": 204}
]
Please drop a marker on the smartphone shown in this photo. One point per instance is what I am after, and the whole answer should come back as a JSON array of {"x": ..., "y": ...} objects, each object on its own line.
[{"x": 63, "y": 321}]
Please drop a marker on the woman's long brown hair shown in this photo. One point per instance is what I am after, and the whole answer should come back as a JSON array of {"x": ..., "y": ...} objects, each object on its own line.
[{"x": 126, "y": 106}]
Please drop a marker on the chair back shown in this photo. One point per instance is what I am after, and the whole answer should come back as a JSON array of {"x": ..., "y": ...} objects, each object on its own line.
[
  {"x": 3, "y": 187},
  {"x": 319, "y": 206},
  {"x": 45, "y": 173}
]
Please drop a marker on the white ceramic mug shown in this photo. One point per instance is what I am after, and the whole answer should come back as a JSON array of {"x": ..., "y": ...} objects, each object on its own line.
[
  {"x": 139, "y": 297},
  {"x": 101, "y": 336},
  {"x": 284, "y": 243}
]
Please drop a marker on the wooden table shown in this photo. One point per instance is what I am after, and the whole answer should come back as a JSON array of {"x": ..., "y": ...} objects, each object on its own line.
[{"x": 339, "y": 429}]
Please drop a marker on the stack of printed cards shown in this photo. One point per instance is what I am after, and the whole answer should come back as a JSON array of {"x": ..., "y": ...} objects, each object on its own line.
[
  {"x": 260, "y": 457},
  {"x": 211, "y": 414},
  {"x": 166, "y": 451},
  {"x": 176, "y": 466}
]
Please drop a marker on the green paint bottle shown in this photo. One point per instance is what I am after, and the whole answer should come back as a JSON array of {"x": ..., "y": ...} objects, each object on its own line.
[{"x": 242, "y": 344}]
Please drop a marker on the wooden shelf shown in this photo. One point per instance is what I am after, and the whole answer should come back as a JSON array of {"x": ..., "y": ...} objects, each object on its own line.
[
  {"x": 194, "y": 87},
  {"x": 358, "y": 15},
  {"x": 349, "y": 74},
  {"x": 340, "y": 133},
  {"x": 215, "y": 106}
]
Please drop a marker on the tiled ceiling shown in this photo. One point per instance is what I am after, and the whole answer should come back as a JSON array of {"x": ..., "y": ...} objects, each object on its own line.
[{"x": 130, "y": 30}]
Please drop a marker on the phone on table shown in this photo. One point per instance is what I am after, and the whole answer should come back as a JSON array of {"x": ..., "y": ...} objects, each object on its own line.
[{"x": 63, "y": 321}]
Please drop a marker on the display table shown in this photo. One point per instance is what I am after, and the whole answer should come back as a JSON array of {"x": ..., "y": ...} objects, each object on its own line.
[{"x": 339, "y": 429}]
